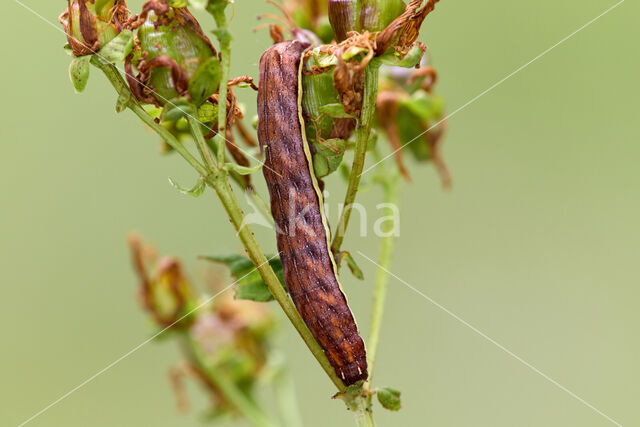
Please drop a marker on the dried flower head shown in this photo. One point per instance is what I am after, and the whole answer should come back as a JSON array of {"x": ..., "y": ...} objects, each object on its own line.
[{"x": 91, "y": 24}]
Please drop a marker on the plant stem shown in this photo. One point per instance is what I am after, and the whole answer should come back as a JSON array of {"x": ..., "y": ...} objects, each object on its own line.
[
  {"x": 114, "y": 77},
  {"x": 256, "y": 255},
  {"x": 225, "y": 386},
  {"x": 223, "y": 35},
  {"x": 390, "y": 188},
  {"x": 203, "y": 148},
  {"x": 220, "y": 183},
  {"x": 363, "y": 132},
  {"x": 360, "y": 405}
]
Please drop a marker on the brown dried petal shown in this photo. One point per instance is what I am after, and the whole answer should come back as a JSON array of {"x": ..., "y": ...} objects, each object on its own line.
[
  {"x": 428, "y": 75},
  {"x": 87, "y": 24},
  {"x": 387, "y": 109},
  {"x": 275, "y": 31},
  {"x": 404, "y": 30},
  {"x": 179, "y": 76}
]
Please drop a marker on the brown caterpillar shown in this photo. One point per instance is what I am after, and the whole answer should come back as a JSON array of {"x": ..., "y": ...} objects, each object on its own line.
[{"x": 297, "y": 205}]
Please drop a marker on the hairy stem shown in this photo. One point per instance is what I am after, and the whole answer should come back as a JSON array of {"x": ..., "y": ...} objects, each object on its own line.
[
  {"x": 390, "y": 188},
  {"x": 363, "y": 132},
  {"x": 225, "y": 386},
  {"x": 220, "y": 183}
]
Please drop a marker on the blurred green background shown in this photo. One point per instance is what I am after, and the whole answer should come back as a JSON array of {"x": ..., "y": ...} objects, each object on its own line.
[{"x": 536, "y": 245}]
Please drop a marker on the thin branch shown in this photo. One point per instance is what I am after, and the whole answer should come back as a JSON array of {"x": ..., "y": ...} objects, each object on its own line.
[{"x": 363, "y": 132}]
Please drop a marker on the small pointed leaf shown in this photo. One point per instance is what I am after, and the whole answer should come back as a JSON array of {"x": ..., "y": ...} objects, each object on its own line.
[
  {"x": 410, "y": 60},
  {"x": 118, "y": 48},
  {"x": 389, "y": 398},
  {"x": 250, "y": 285},
  {"x": 242, "y": 170},
  {"x": 79, "y": 72},
  {"x": 195, "y": 191},
  {"x": 123, "y": 101},
  {"x": 351, "y": 263},
  {"x": 328, "y": 156}
]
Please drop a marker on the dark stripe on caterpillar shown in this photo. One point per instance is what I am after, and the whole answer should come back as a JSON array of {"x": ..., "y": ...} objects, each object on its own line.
[{"x": 296, "y": 203}]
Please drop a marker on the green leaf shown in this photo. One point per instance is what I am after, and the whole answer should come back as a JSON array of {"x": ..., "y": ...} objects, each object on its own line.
[
  {"x": 79, "y": 72},
  {"x": 195, "y": 191},
  {"x": 410, "y": 60},
  {"x": 176, "y": 109},
  {"x": 179, "y": 3},
  {"x": 326, "y": 60},
  {"x": 250, "y": 285},
  {"x": 255, "y": 291},
  {"x": 351, "y": 263},
  {"x": 118, "y": 48},
  {"x": 423, "y": 105},
  {"x": 334, "y": 110},
  {"x": 328, "y": 156},
  {"x": 123, "y": 101},
  {"x": 354, "y": 51},
  {"x": 242, "y": 170},
  {"x": 102, "y": 7},
  {"x": 68, "y": 51},
  {"x": 205, "y": 81},
  {"x": 389, "y": 398}
]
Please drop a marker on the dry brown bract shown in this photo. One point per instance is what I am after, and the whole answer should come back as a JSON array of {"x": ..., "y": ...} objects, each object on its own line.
[
  {"x": 404, "y": 30},
  {"x": 118, "y": 16},
  {"x": 348, "y": 77},
  {"x": 387, "y": 110}
]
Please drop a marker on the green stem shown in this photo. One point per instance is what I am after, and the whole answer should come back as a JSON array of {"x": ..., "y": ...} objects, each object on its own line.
[
  {"x": 363, "y": 132},
  {"x": 201, "y": 143},
  {"x": 390, "y": 188},
  {"x": 360, "y": 405},
  {"x": 256, "y": 255},
  {"x": 220, "y": 183},
  {"x": 223, "y": 35},
  {"x": 114, "y": 77},
  {"x": 225, "y": 386}
]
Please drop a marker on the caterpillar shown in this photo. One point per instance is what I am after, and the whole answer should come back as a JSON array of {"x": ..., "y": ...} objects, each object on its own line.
[{"x": 302, "y": 230}]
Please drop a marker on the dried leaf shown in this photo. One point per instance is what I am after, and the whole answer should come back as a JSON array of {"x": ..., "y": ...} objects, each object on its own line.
[{"x": 404, "y": 30}]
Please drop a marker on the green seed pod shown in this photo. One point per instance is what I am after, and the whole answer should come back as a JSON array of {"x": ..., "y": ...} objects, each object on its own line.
[
  {"x": 176, "y": 59},
  {"x": 327, "y": 125},
  {"x": 90, "y": 26},
  {"x": 362, "y": 15},
  {"x": 342, "y": 15}
]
